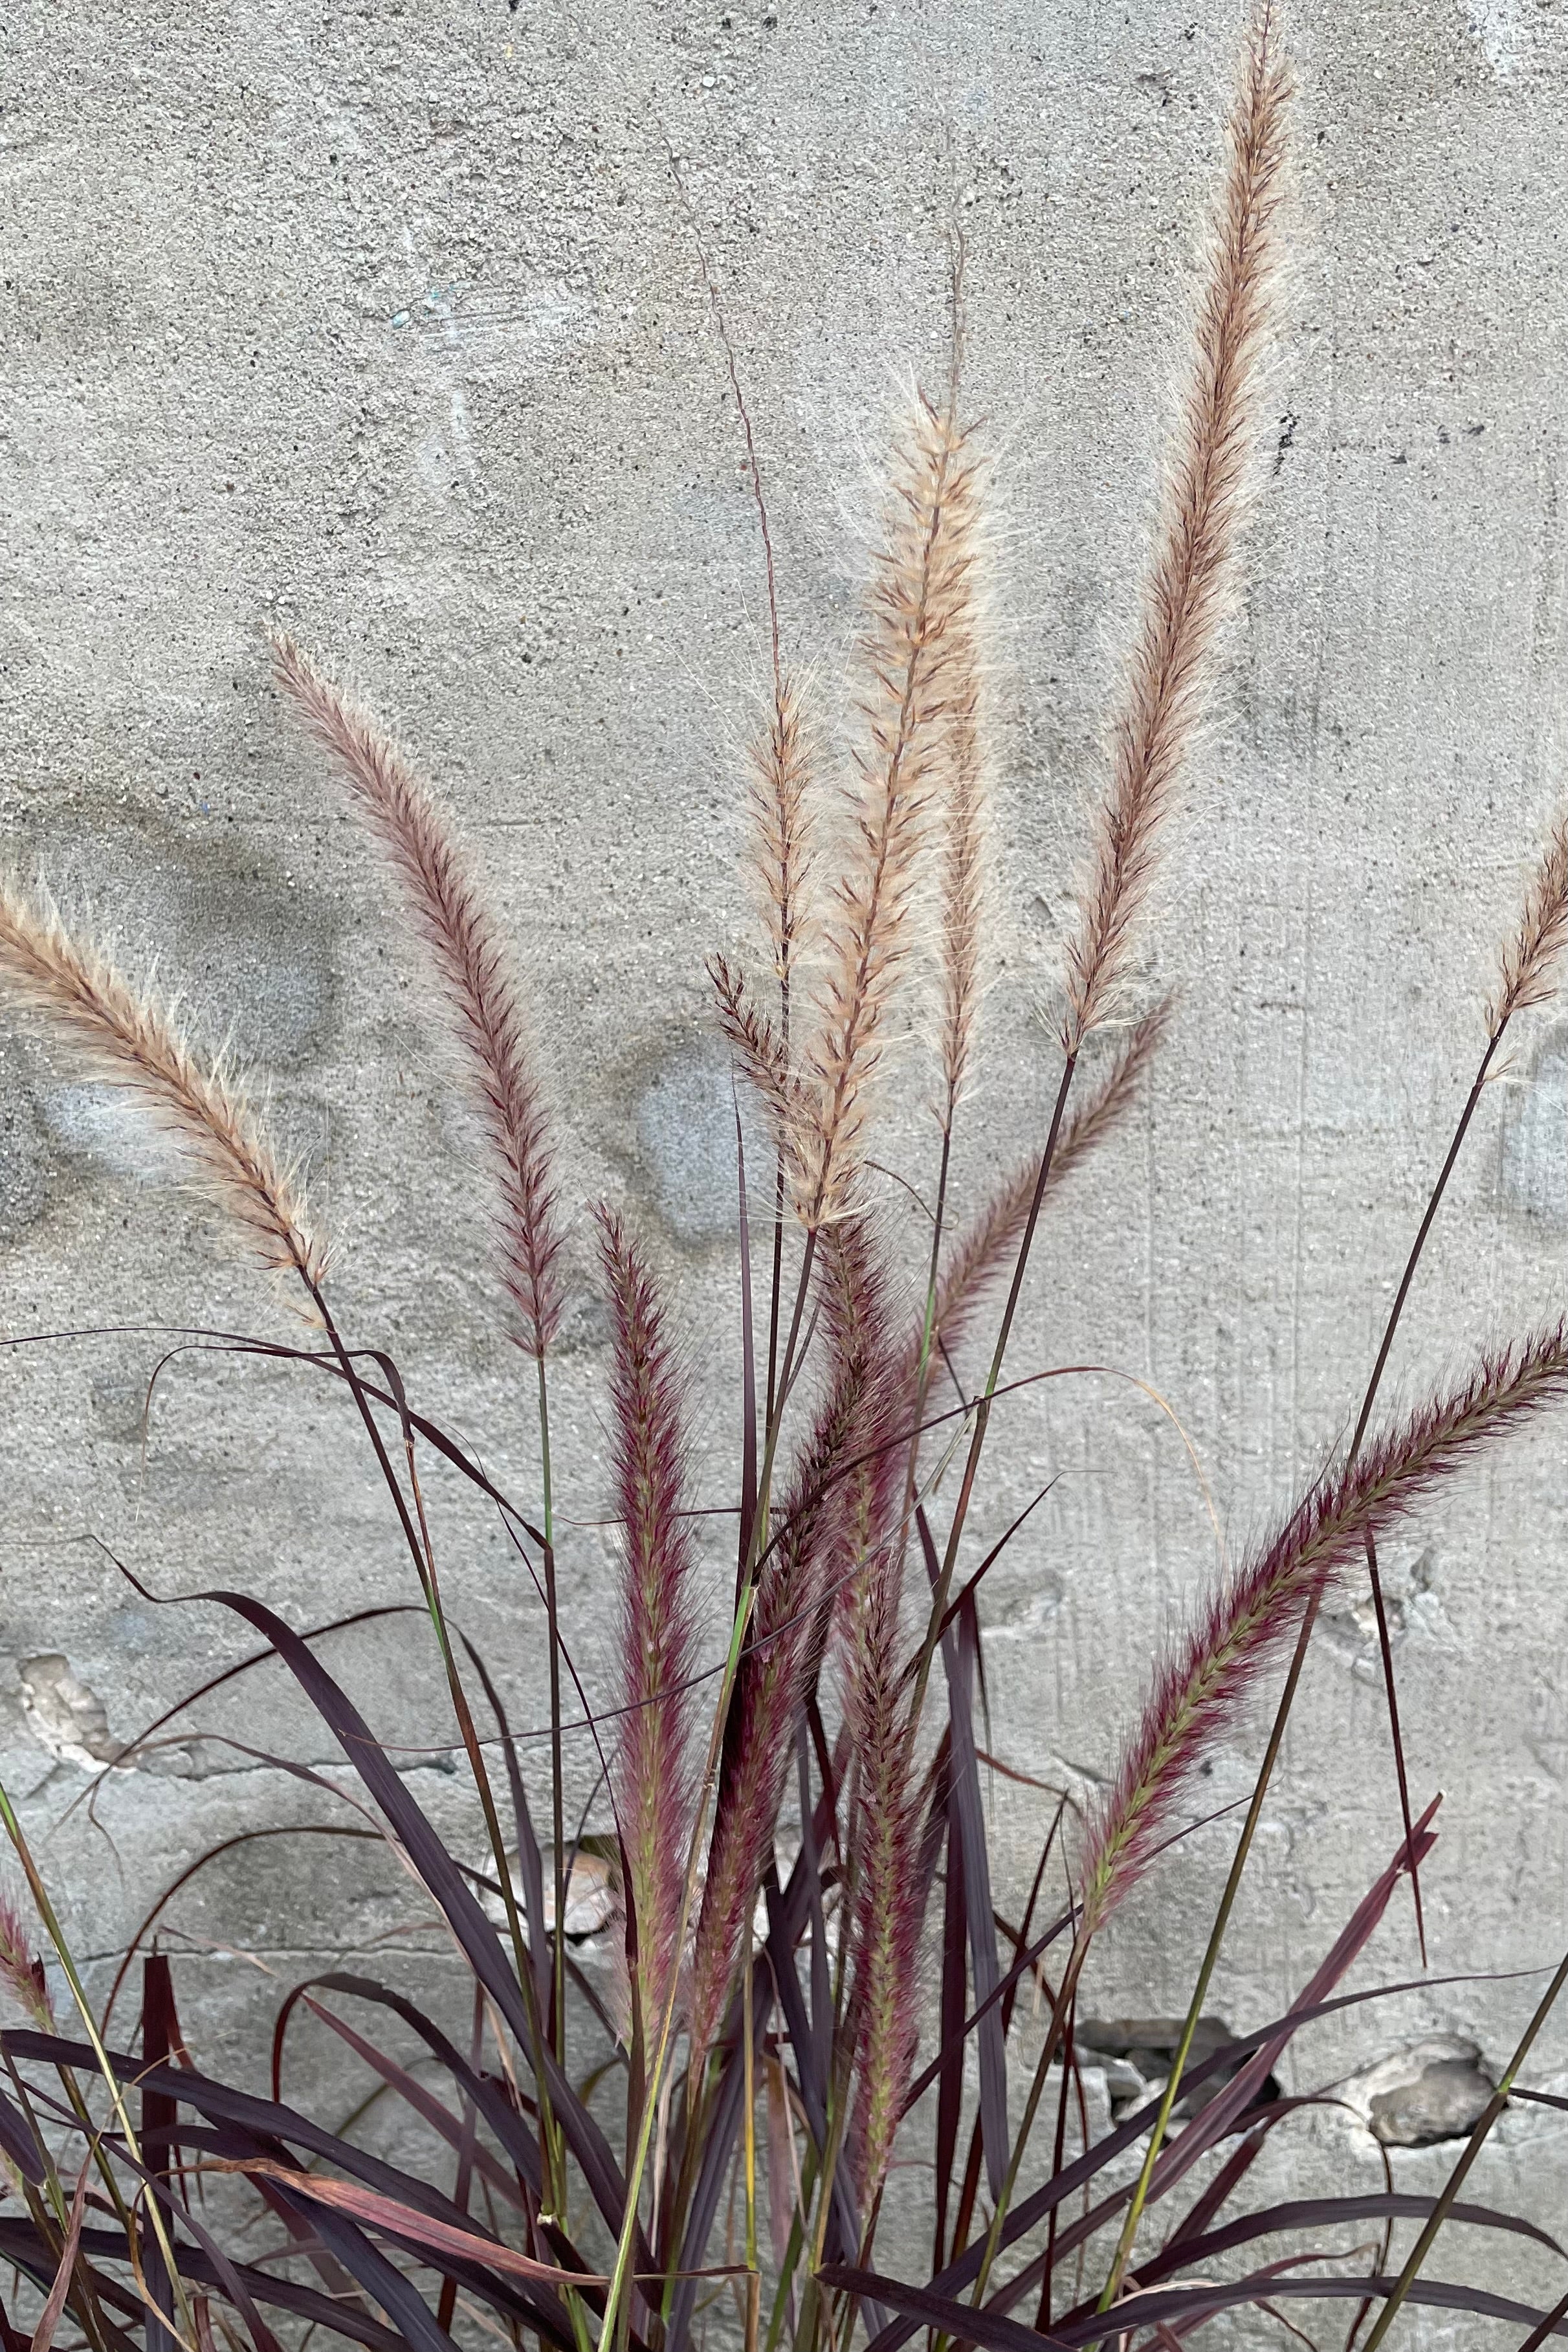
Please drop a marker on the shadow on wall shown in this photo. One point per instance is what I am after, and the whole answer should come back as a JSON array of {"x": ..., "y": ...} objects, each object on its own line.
[{"x": 685, "y": 1162}]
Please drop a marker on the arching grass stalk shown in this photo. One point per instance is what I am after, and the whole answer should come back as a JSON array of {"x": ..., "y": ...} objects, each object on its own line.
[{"x": 1287, "y": 1701}]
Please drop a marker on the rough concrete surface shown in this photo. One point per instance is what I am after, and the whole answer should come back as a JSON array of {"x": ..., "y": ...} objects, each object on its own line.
[{"x": 383, "y": 321}]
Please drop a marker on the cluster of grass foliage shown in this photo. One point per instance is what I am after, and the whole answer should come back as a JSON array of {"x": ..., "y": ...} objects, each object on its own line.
[{"x": 775, "y": 2051}]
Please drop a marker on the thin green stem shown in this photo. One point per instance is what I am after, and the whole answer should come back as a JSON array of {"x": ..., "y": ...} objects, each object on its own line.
[
  {"x": 1472, "y": 2149},
  {"x": 558, "y": 1784},
  {"x": 927, "y": 1336},
  {"x": 1287, "y": 1701},
  {"x": 1062, "y": 2006}
]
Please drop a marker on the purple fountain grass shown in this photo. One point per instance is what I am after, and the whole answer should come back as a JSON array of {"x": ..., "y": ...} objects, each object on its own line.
[
  {"x": 654, "y": 1781},
  {"x": 1206, "y": 1677},
  {"x": 864, "y": 1559},
  {"x": 495, "y": 2204},
  {"x": 762, "y": 1057},
  {"x": 823, "y": 1519},
  {"x": 474, "y": 969},
  {"x": 135, "y": 1040},
  {"x": 1193, "y": 571}
]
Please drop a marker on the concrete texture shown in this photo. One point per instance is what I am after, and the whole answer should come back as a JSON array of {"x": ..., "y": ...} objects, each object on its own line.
[{"x": 383, "y": 321}]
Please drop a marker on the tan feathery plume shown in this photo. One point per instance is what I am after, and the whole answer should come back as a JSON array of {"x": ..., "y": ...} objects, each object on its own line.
[
  {"x": 134, "y": 1038},
  {"x": 1528, "y": 976},
  {"x": 783, "y": 855},
  {"x": 966, "y": 794},
  {"x": 474, "y": 968},
  {"x": 1193, "y": 563},
  {"x": 761, "y": 1055},
  {"x": 915, "y": 610},
  {"x": 967, "y": 812}
]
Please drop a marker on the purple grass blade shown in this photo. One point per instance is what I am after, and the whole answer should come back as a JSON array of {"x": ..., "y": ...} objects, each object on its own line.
[
  {"x": 159, "y": 2115},
  {"x": 1005, "y": 1989},
  {"x": 951, "y": 2010},
  {"x": 21, "y": 2243},
  {"x": 262, "y": 2130},
  {"x": 959, "y": 1651},
  {"x": 1539, "y": 2098},
  {"x": 1225, "y": 2181},
  {"x": 445, "y": 1882},
  {"x": 1547, "y": 2325},
  {"x": 921, "y": 2306},
  {"x": 423, "y": 2103},
  {"x": 1314, "y": 2213},
  {"x": 1188, "y": 2304},
  {"x": 234, "y": 2286}
]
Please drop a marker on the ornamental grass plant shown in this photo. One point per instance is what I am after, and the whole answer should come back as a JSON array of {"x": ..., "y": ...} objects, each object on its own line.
[{"x": 812, "y": 1982}]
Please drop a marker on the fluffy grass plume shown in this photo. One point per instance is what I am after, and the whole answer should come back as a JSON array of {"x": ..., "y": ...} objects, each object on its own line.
[
  {"x": 761, "y": 1054},
  {"x": 864, "y": 1558},
  {"x": 21, "y": 1970},
  {"x": 965, "y": 779},
  {"x": 814, "y": 1553},
  {"x": 784, "y": 855},
  {"x": 1208, "y": 1675},
  {"x": 1193, "y": 569},
  {"x": 474, "y": 969},
  {"x": 918, "y": 619},
  {"x": 649, "y": 1446},
  {"x": 889, "y": 1890},
  {"x": 1529, "y": 959},
  {"x": 966, "y": 824},
  {"x": 134, "y": 1038}
]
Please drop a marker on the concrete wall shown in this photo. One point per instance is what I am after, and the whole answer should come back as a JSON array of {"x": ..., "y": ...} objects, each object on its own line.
[{"x": 383, "y": 321}]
